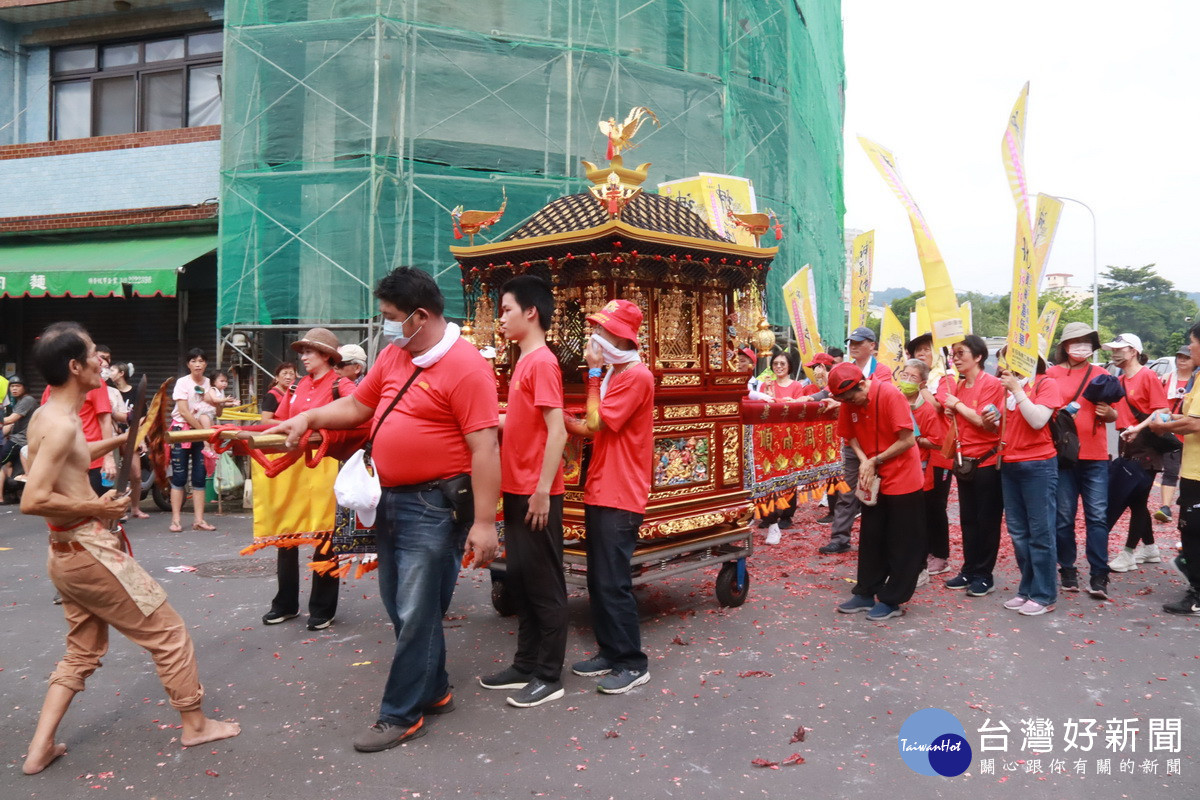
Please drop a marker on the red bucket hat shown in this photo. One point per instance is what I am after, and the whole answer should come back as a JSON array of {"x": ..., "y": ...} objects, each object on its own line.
[
  {"x": 844, "y": 377},
  {"x": 823, "y": 359},
  {"x": 620, "y": 318}
]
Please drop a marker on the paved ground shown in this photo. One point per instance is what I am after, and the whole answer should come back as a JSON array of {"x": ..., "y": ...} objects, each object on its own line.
[{"x": 728, "y": 687}]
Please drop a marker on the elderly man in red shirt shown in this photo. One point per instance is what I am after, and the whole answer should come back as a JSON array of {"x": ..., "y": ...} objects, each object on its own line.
[{"x": 877, "y": 424}]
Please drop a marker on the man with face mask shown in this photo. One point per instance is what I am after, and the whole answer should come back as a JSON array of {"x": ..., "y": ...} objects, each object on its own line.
[
  {"x": 1087, "y": 478},
  {"x": 433, "y": 410}
]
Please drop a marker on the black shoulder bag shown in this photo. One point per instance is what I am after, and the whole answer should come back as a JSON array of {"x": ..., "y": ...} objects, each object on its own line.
[
  {"x": 1160, "y": 443},
  {"x": 1064, "y": 431}
]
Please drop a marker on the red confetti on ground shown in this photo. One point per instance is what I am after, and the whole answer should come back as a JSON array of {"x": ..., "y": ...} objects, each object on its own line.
[
  {"x": 762, "y": 762},
  {"x": 755, "y": 673},
  {"x": 611, "y": 734},
  {"x": 212, "y": 774},
  {"x": 794, "y": 758},
  {"x": 799, "y": 735},
  {"x": 679, "y": 640}
]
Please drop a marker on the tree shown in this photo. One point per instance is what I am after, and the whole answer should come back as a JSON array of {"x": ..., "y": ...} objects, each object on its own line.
[{"x": 1138, "y": 300}]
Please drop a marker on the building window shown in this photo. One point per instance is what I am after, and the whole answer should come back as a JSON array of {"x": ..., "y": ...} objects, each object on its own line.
[{"x": 146, "y": 85}]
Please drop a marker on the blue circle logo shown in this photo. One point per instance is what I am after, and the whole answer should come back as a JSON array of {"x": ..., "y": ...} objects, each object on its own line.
[{"x": 933, "y": 742}]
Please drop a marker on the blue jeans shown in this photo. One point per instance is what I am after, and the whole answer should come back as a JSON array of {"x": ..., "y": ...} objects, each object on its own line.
[
  {"x": 420, "y": 547},
  {"x": 185, "y": 460},
  {"x": 611, "y": 537},
  {"x": 1030, "y": 489},
  {"x": 1087, "y": 480}
]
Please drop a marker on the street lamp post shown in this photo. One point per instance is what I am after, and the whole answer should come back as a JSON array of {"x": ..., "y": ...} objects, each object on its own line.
[{"x": 1095, "y": 264}]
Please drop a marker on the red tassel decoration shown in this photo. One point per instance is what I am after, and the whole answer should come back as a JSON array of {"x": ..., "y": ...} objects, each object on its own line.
[
  {"x": 778, "y": 232},
  {"x": 457, "y": 232},
  {"x": 609, "y": 155}
]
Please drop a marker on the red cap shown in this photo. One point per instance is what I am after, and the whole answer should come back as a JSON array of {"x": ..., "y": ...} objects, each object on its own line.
[
  {"x": 620, "y": 318},
  {"x": 749, "y": 353},
  {"x": 821, "y": 358},
  {"x": 844, "y": 377}
]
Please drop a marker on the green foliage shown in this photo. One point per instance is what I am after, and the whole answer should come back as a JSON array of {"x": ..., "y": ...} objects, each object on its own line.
[
  {"x": 1138, "y": 300},
  {"x": 903, "y": 306}
]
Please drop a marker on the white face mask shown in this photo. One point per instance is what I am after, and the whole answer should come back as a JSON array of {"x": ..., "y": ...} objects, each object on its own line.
[
  {"x": 613, "y": 354},
  {"x": 1080, "y": 352},
  {"x": 393, "y": 331}
]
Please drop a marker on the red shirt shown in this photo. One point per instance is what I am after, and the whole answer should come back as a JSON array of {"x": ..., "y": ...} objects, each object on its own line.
[
  {"x": 880, "y": 373},
  {"x": 424, "y": 437},
  {"x": 1021, "y": 441},
  {"x": 974, "y": 442},
  {"x": 536, "y": 384},
  {"x": 793, "y": 391},
  {"x": 311, "y": 394},
  {"x": 811, "y": 389},
  {"x": 1147, "y": 393},
  {"x": 1093, "y": 436},
  {"x": 95, "y": 403},
  {"x": 623, "y": 453},
  {"x": 877, "y": 426},
  {"x": 933, "y": 427}
]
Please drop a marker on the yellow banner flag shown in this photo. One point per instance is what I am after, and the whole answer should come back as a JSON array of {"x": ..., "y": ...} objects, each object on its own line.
[
  {"x": 798, "y": 297},
  {"x": 1047, "y": 324},
  {"x": 1045, "y": 224},
  {"x": 1022, "y": 309},
  {"x": 862, "y": 257},
  {"x": 924, "y": 324},
  {"x": 891, "y": 341},
  {"x": 967, "y": 317},
  {"x": 939, "y": 291}
]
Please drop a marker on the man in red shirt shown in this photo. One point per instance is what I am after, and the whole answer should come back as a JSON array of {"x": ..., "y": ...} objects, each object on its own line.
[
  {"x": 877, "y": 424},
  {"x": 846, "y": 507},
  {"x": 620, "y": 415},
  {"x": 96, "y": 416},
  {"x": 531, "y": 480},
  {"x": 432, "y": 399}
]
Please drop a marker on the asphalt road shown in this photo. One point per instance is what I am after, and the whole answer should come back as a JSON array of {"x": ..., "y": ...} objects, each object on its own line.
[{"x": 728, "y": 686}]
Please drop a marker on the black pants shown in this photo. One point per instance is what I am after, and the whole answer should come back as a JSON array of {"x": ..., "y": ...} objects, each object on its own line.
[
  {"x": 611, "y": 537},
  {"x": 937, "y": 523},
  {"x": 1129, "y": 486},
  {"x": 891, "y": 547},
  {"x": 1189, "y": 529},
  {"x": 981, "y": 506},
  {"x": 322, "y": 603},
  {"x": 533, "y": 578},
  {"x": 845, "y": 505}
]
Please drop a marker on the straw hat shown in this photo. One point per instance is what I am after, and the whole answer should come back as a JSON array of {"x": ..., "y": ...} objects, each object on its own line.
[{"x": 323, "y": 340}]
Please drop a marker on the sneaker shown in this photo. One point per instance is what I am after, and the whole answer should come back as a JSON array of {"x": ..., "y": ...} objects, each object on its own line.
[
  {"x": 787, "y": 523},
  {"x": 1163, "y": 514},
  {"x": 981, "y": 587},
  {"x": 57, "y": 599},
  {"x": 882, "y": 611},
  {"x": 1187, "y": 606},
  {"x": 592, "y": 668},
  {"x": 773, "y": 533},
  {"x": 384, "y": 735},
  {"x": 833, "y": 548},
  {"x": 507, "y": 678},
  {"x": 1098, "y": 587},
  {"x": 922, "y": 578},
  {"x": 1068, "y": 579},
  {"x": 620, "y": 681},
  {"x": 1034, "y": 609},
  {"x": 536, "y": 692},
  {"x": 857, "y": 603},
  {"x": 1015, "y": 603},
  {"x": 959, "y": 581},
  {"x": 274, "y": 617},
  {"x": 1123, "y": 561},
  {"x": 826, "y": 520},
  {"x": 443, "y": 705},
  {"x": 1147, "y": 554},
  {"x": 936, "y": 566},
  {"x": 319, "y": 623}
]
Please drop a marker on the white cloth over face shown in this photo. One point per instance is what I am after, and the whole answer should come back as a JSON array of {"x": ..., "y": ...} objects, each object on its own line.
[{"x": 612, "y": 355}]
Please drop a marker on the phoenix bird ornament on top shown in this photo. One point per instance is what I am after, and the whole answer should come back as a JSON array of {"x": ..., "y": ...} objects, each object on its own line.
[{"x": 472, "y": 222}]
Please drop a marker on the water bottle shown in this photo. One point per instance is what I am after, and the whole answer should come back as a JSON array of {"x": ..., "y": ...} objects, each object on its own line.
[
  {"x": 106, "y": 480},
  {"x": 1071, "y": 408},
  {"x": 990, "y": 408}
]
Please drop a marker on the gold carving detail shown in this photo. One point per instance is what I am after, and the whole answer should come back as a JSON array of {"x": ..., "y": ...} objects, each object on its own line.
[
  {"x": 731, "y": 455},
  {"x": 679, "y": 412},
  {"x": 720, "y": 408},
  {"x": 680, "y": 380}
]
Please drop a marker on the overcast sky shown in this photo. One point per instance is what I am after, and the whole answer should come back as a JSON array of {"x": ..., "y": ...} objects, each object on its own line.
[{"x": 1113, "y": 120}]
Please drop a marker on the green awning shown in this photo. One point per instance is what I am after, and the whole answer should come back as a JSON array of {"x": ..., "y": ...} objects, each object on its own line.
[{"x": 99, "y": 267}]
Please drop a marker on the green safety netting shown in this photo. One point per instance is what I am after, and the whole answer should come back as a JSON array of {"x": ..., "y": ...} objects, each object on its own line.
[{"x": 352, "y": 128}]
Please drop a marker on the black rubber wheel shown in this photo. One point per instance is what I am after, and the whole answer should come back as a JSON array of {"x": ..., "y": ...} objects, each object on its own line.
[
  {"x": 501, "y": 601},
  {"x": 729, "y": 594},
  {"x": 161, "y": 498}
]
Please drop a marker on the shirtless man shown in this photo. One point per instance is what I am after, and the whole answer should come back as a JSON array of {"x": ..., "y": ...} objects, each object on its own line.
[{"x": 100, "y": 585}]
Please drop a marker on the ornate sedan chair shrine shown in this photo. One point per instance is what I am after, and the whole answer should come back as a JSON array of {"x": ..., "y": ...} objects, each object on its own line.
[{"x": 616, "y": 241}]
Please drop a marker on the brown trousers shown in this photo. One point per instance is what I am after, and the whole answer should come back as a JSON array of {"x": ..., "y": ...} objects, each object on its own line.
[{"x": 93, "y": 599}]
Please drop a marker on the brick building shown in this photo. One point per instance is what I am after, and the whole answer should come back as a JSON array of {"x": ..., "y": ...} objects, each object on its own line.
[{"x": 109, "y": 175}]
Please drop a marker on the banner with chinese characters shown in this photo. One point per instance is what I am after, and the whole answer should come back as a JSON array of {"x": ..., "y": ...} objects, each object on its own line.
[
  {"x": 714, "y": 197},
  {"x": 891, "y": 341},
  {"x": 862, "y": 257},
  {"x": 1022, "y": 310},
  {"x": 944, "y": 316},
  {"x": 798, "y": 297},
  {"x": 793, "y": 453},
  {"x": 1047, "y": 324},
  {"x": 1045, "y": 225}
]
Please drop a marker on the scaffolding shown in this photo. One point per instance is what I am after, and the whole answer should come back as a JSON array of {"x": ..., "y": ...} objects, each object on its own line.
[{"x": 353, "y": 127}]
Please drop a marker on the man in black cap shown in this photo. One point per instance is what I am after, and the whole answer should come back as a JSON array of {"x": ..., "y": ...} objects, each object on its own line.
[
  {"x": 15, "y": 422},
  {"x": 846, "y": 508}
]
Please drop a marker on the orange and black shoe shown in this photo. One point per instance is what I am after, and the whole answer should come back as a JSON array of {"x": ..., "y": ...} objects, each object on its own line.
[
  {"x": 385, "y": 735},
  {"x": 443, "y": 705}
]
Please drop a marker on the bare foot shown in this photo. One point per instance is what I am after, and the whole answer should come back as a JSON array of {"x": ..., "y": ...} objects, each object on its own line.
[
  {"x": 40, "y": 758},
  {"x": 210, "y": 731}
]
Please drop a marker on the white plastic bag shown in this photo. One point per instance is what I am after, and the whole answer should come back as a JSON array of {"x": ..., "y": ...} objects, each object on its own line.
[{"x": 357, "y": 488}]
